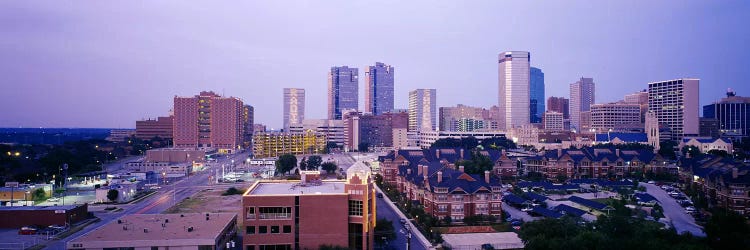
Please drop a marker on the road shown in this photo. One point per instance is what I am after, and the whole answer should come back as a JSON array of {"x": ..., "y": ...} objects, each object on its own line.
[
  {"x": 164, "y": 198},
  {"x": 515, "y": 213},
  {"x": 682, "y": 222},
  {"x": 385, "y": 211}
]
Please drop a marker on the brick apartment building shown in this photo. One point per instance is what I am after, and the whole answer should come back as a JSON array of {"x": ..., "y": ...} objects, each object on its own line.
[
  {"x": 431, "y": 177},
  {"x": 725, "y": 182},
  {"x": 161, "y": 127},
  {"x": 309, "y": 213},
  {"x": 209, "y": 121},
  {"x": 589, "y": 162}
]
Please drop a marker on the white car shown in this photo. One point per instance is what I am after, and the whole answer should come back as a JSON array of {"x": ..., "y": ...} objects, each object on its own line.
[
  {"x": 526, "y": 209},
  {"x": 53, "y": 199},
  {"x": 651, "y": 182},
  {"x": 690, "y": 209}
]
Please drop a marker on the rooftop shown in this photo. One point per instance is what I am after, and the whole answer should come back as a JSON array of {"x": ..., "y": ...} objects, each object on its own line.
[
  {"x": 296, "y": 187},
  {"x": 37, "y": 208},
  {"x": 505, "y": 240},
  {"x": 149, "y": 228}
]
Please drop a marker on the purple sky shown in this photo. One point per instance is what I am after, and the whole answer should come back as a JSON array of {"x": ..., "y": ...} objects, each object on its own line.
[{"x": 104, "y": 64}]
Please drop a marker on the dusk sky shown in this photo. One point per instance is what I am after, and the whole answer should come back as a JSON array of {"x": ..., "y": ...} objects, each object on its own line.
[{"x": 105, "y": 64}]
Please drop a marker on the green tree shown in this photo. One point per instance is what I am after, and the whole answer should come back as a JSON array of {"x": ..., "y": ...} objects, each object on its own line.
[
  {"x": 329, "y": 167},
  {"x": 314, "y": 161},
  {"x": 561, "y": 178},
  {"x": 692, "y": 151},
  {"x": 717, "y": 152},
  {"x": 303, "y": 164},
  {"x": 667, "y": 148},
  {"x": 112, "y": 194},
  {"x": 330, "y": 146},
  {"x": 39, "y": 194},
  {"x": 727, "y": 230},
  {"x": 286, "y": 163}
]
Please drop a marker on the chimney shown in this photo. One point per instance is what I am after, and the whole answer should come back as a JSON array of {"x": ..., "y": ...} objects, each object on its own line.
[
  {"x": 461, "y": 153},
  {"x": 440, "y": 176},
  {"x": 408, "y": 171},
  {"x": 419, "y": 169},
  {"x": 487, "y": 177},
  {"x": 426, "y": 170},
  {"x": 461, "y": 168},
  {"x": 734, "y": 173},
  {"x": 437, "y": 153},
  {"x": 559, "y": 152},
  {"x": 617, "y": 152}
]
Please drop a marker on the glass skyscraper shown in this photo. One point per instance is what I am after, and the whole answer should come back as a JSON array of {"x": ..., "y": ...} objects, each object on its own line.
[
  {"x": 513, "y": 81},
  {"x": 343, "y": 91},
  {"x": 379, "y": 89},
  {"x": 536, "y": 94}
]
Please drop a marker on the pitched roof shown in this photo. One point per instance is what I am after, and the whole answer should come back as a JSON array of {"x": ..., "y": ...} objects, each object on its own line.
[
  {"x": 626, "y": 137},
  {"x": 588, "y": 203},
  {"x": 569, "y": 210}
]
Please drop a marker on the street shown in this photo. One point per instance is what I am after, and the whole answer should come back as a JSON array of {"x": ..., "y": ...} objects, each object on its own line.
[
  {"x": 385, "y": 211},
  {"x": 681, "y": 221}
]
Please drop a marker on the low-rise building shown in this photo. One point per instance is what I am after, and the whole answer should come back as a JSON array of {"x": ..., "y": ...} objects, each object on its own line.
[
  {"x": 618, "y": 138},
  {"x": 589, "y": 162},
  {"x": 42, "y": 215},
  {"x": 707, "y": 144},
  {"x": 126, "y": 190},
  {"x": 274, "y": 144},
  {"x": 553, "y": 121},
  {"x": 162, "y": 231},
  {"x": 332, "y": 129},
  {"x": 160, "y": 127},
  {"x": 427, "y": 138},
  {"x": 309, "y": 213},
  {"x": 471, "y": 241},
  {"x": 174, "y": 155},
  {"x": 725, "y": 182}
]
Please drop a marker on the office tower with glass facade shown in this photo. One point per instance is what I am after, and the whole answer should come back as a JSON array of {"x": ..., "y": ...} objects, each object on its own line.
[
  {"x": 513, "y": 94},
  {"x": 536, "y": 93},
  {"x": 379, "y": 89},
  {"x": 343, "y": 91}
]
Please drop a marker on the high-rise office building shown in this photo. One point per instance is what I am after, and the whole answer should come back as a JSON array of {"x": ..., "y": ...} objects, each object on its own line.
[
  {"x": 464, "y": 118},
  {"x": 422, "y": 109},
  {"x": 343, "y": 91},
  {"x": 640, "y": 98},
  {"x": 675, "y": 104},
  {"x": 536, "y": 94},
  {"x": 581, "y": 98},
  {"x": 732, "y": 114},
  {"x": 294, "y": 106},
  {"x": 160, "y": 127},
  {"x": 208, "y": 120},
  {"x": 513, "y": 81},
  {"x": 553, "y": 121},
  {"x": 379, "y": 89},
  {"x": 610, "y": 116},
  {"x": 248, "y": 120},
  {"x": 375, "y": 131},
  {"x": 559, "y": 105}
]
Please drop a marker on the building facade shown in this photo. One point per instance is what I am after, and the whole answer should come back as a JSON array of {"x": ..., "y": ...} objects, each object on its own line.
[
  {"x": 553, "y": 121},
  {"x": 160, "y": 127},
  {"x": 309, "y": 213},
  {"x": 208, "y": 121},
  {"x": 725, "y": 182},
  {"x": 422, "y": 109},
  {"x": 536, "y": 94},
  {"x": 294, "y": 106},
  {"x": 675, "y": 104},
  {"x": 607, "y": 116},
  {"x": 332, "y": 129},
  {"x": 513, "y": 80},
  {"x": 379, "y": 89},
  {"x": 732, "y": 114},
  {"x": 275, "y": 144},
  {"x": 343, "y": 91},
  {"x": 589, "y": 162},
  {"x": 462, "y": 118},
  {"x": 374, "y": 131},
  {"x": 640, "y": 98},
  {"x": 559, "y": 105},
  {"x": 582, "y": 96},
  {"x": 248, "y": 120}
]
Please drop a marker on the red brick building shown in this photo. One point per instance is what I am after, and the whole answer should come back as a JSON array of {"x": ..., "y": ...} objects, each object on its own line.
[
  {"x": 208, "y": 120},
  {"x": 159, "y": 127},
  {"x": 309, "y": 213},
  {"x": 42, "y": 215}
]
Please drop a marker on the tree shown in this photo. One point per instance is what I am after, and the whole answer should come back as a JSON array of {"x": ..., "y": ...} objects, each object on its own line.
[
  {"x": 498, "y": 143},
  {"x": 286, "y": 163},
  {"x": 112, "y": 194},
  {"x": 477, "y": 164},
  {"x": 363, "y": 147},
  {"x": 727, "y": 230},
  {"x": 314, "y": 161},
  {"x": 666, "y": 149},
  {"x": 303, "y": 164},
  {"x": 717, "y": 152},
  {"x": 39, "y": 194},
  {"x": 561, "y": 178},
  {"x": 384, "y": 231},
  {"x": 329, "y": 167},
  {"x": 691, "y": 151},
  {"x": 330, "y": 145}
]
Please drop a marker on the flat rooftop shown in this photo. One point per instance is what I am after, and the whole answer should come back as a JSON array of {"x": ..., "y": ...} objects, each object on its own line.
[
  {"x": 505, "y": 240},
  {"x": 130, "y": 231},
  {"x": 37, "y": 208},
  {"x": 296, "y": 188}
]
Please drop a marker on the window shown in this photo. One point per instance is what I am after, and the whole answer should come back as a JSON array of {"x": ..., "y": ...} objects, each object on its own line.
[
  {"x": 458, "y": 197},
  {"x": 275, "y": 229},
  {"x": 262, "y": 229},
  {"x": 249, "y": 247},
  {"x": 457, "y": 209},
  {"x": 355, "y": 208},
  {"x": 250, "y": 213},
  {"x": 274, "y": 213},
  {"x": 275, "y": 247},
  {"x": 496, "y": 206},
  {"x": 442, "y": 208},
  {"x": 442, "y": 197},
  {"x": 287, "y": 229},
  {"x": 154, "y": 248},
  {"x": 250, "y": 230}
]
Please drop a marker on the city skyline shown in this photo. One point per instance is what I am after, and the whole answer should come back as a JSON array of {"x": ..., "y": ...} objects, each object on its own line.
[{"x": 63, "y": 63}]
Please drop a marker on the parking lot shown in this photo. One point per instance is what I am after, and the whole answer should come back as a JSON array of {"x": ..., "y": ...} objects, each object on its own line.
[{"x": 682, "y": 221}]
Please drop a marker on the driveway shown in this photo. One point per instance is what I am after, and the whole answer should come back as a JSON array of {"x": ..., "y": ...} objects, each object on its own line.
[{"x": 682, "y": 222}]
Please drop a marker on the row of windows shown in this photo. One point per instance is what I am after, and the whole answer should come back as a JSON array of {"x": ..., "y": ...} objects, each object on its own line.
[
  {"x": 287, "y": 229},
  {"x": 269, "y": 247}
]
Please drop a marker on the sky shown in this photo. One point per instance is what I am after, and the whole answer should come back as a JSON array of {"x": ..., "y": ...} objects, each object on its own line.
[{"x": 110, "y": 63}]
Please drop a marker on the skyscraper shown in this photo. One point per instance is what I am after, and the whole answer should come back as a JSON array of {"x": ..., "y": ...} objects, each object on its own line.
[
  {"x": 559, "y": 105},
  {"x": 294, "y": 106},
  {"x": 581, "y": 98},
  {"x": 343, "y": 91},
  {"x": 513, "y": 81},
  {"x": 248, "y": 120},
  {"x": 732, "y": 114},
  {"x": 536, "y": 94},
  {"x": 675, "y": 104},
  {"x": 379, "y": 89},
  {"x": 422, "y": 109},
  {"x": 208, "y": 120}
]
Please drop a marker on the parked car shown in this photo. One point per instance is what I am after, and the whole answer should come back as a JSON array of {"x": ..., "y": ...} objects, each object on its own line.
[
  {"x": 651, "y": 182},
  {"x": 690, "y": 209},
  {"x": 379, "y": 195},
  {"x": 27, "y": 230},
  {"x": 516, "y": 223},
  {"x": 526, "y": 209},
  {"x": 402, "y": 220},
  {"x": 53, "y": 199}
]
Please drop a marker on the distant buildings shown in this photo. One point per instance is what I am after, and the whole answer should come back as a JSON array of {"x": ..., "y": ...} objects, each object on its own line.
[
  {"x": 120, "y": 135},
  {"x": 422, "y": 109},
  {"x": 248, "y": 115},
  {"x": 536, "y": 94},
  {"x": 161, "y": 231},
  {"x": 311, "y": 212},
  {"x": 582, "y": 96},
  {"x": 609, "y": 116},
  {"x": 160, "y": 127},
  {"x": 640, "y": 98},
  {"x": 732, "y": 114},
  {"x": 707, "y": 144},
  {"x": 343, "y": 91},
  {"x": 513, "y": 80},
  {"x": 559, "y": 105},
  {"x": 294, "y": 106},
  {"x": 379, "y": 88},
  {"x": 425, "y": 139},
  {"x": 590, "y": 162},
  {"x": 332, "y": 129},
  {"x": 274, "y": 144},
  {"x": 553, "y": 121},
  {"x": 675, "y": 104},
  {"x": 464, "y": 118},
  {"x": 374, "y": 131},
  {"x": 208, "y": 121}
]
